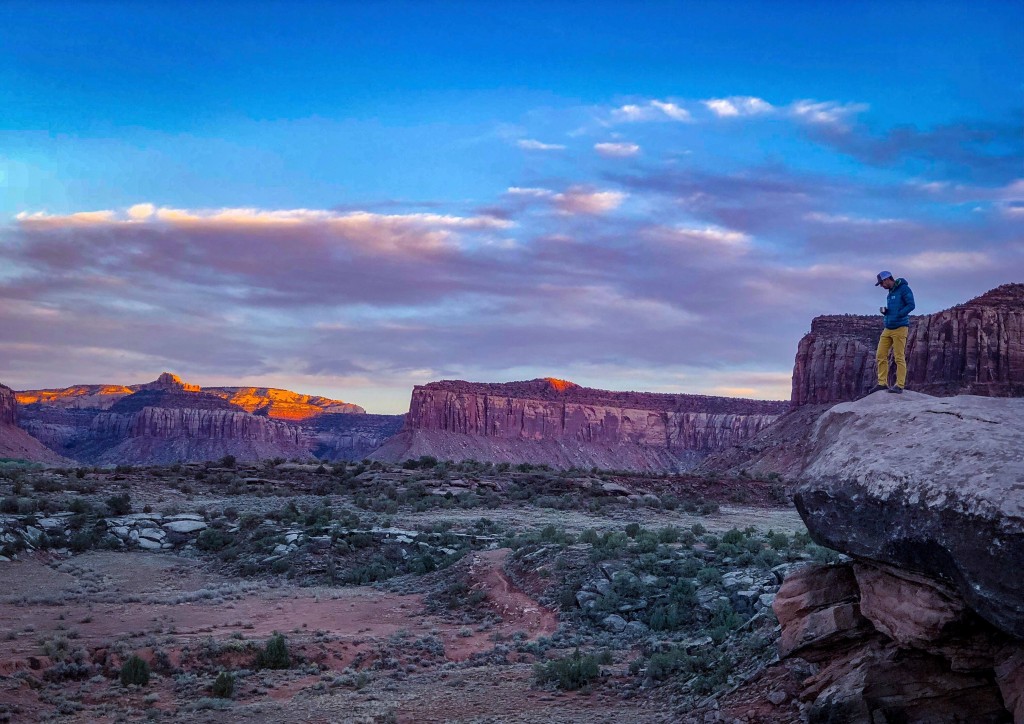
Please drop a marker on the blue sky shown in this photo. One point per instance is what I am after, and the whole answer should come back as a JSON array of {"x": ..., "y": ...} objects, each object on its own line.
[{"x": 352, "y": 198}]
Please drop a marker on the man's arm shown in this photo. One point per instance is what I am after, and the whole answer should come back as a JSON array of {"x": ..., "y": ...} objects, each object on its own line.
[{"x": 908, "y": 305}]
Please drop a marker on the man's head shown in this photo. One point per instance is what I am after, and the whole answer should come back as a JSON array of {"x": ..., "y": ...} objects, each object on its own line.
[{"x": 885, "y": 280}]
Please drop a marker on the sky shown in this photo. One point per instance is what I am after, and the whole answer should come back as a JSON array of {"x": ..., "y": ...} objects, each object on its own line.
[{"x": 352, "y": 198}]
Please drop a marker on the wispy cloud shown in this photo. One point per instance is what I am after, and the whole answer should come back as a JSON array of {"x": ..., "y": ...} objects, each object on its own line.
[
  {"x": 530, "y": 144},
  {"x": 617, "y": 150},
  {"x": 652, "y": 110}
]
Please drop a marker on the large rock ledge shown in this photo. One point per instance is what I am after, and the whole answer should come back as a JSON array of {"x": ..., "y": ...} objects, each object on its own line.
[
  {"x": 926, "y": 623},
  {"x": 930, "y": 485}
]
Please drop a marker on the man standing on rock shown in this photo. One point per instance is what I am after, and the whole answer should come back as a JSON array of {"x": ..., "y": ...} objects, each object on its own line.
[{"x": 898, "y": 306}]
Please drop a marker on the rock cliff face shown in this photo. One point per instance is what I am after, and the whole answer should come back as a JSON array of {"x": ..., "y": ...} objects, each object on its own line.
[
  {"x": 564, "y": 425},
  {"x": 162, "y": 422},
  {"x": 15, "y": 442},
  {"x": 155, "y": 435},
  {"x": 283, "y": 404},
  {"x": 266, "y": 401},
  {"x": 350, "y": 437},
  {"x": 975, "y": 348},
  {"x": 926, "y": 623}
]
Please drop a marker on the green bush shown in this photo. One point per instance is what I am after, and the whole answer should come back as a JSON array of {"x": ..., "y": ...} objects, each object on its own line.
[
  {"x": 213, "y": 539},
  {"x": 274, "y": 654},
  {"x": 134, "y": 671},
  {"x": 120, "y": 504},
  {"x": 224, "y": 685},
  {"x": 569, "y": 673}
]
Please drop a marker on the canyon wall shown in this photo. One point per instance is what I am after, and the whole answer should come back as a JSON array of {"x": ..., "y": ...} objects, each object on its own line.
[
  {"x": 168, "y": 420},
  {"x": 266, "y": 401},
  {"x": 283, "y": 404},
  {"x": 975, "y": 348},
  {"x": 564, "y": 425},
  {"x": 15, "y": 442}
]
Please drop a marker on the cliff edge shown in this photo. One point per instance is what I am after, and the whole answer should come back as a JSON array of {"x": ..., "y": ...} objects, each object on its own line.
[{"x": 926, "y": 623}]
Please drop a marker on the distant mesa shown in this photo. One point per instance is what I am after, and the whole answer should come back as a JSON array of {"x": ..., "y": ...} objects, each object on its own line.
[
  {"x": 15, "y": 442},
  {"x": 559, "y": 423},
  {"x": 266, "y": 401},
  {"x": 169, "y": 420}
]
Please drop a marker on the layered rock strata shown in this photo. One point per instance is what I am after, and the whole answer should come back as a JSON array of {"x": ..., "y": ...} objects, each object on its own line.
[
  {"x": 889, "y": 646},
  {"x": 350, "y": 437},
  {"x": 165, "y": 421},
  {"x": 283, "y": 404},
  {"x": 926, "y": 624},
  {"x": 15, "y": 442},
  {"x": 266, "y": 401},
  {"x": 974, "y": 348},
  {"x": 564, "y": 425}
]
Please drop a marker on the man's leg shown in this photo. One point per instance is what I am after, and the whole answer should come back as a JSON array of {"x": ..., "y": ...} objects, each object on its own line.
[
  {"x": 899, "y": 351},
  {"x": 882, "y": 357}
]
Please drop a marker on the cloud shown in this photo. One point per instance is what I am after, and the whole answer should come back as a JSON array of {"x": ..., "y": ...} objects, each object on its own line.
[
  {"x": 653, "y": 110},
  {"x": 617, "y": 150},
  {"x": 529, "y": 144},
  {"x": 951, "y": 154},
  {"x": 825, "y": 113},
  {"x": 738, "y": 106},
  {"x": 582, "y": 200}
]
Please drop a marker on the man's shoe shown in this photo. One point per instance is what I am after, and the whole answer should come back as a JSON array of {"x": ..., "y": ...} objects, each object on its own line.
[
  {"x": 896, "y": 390},
  {"x": 878, "y": 388}
]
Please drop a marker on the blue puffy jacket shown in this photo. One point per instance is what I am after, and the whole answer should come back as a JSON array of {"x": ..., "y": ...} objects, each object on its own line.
[{"x": 899, "y": 304}]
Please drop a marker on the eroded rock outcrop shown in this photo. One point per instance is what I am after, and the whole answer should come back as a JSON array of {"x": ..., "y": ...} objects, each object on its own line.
[
  {"x": 15, "y": 442},
  {"x": 564, "y": 425},
  {"x": 266, "y": 401},
  {"x": 283, "y": 404},
  {"x": 926, "y": 495},
  {"x": 338, "y": 436},
  {"x": 164, "y": 421},
  {"x": 974, "y": 348}
]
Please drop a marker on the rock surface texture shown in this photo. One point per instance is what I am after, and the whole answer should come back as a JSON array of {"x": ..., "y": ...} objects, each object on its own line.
[
  {"x": 164, "y": 421},
  {"x": 926, "y": 624},
  {"x": 266, "y": 401},
  {"x": 15, "y": 442},
  {"x": 974, "y": 348},
  {"x": 564, "y": 425}
]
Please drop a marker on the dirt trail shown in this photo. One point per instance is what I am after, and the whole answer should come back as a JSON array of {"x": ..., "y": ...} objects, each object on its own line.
[{"x": 516, "y": 607}]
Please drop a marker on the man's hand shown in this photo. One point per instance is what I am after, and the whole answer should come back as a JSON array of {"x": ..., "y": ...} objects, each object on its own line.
[{"x": 883, "y": 310}]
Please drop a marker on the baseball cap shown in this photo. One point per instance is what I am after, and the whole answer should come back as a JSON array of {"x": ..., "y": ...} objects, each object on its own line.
[{"x": 882, "y": 276}]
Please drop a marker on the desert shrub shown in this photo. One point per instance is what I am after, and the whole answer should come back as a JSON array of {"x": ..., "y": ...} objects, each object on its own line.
[
  {"x": 9, "y": 504},
  {"x": 228, "y": 461},
  {"x": 778, "y": 541},
  {"x": 47, "y": 485},
  {"x": 709, "y": 575},
  {"x": 213, "y": 539},
  {"x": 632, "y": 529},
  {"x": 123, "y": 469},
  {"x": 120, "y": 504},
  {"x": 274, "y": 654},
  {"x": 569, "y": 673},
  {"x": 733, "y": 537},
  {"x": 224, "y": 685},
  {"x": 134, "y": 671},
  {"x": 821, "y": 554}
]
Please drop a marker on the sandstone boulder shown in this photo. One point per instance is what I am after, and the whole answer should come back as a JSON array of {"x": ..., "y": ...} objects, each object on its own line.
[{"x": 930, "y": 485}]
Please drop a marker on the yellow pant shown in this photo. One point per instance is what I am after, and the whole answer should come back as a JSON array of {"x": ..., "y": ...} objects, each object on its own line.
[{"x": 895, "y": 340}]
